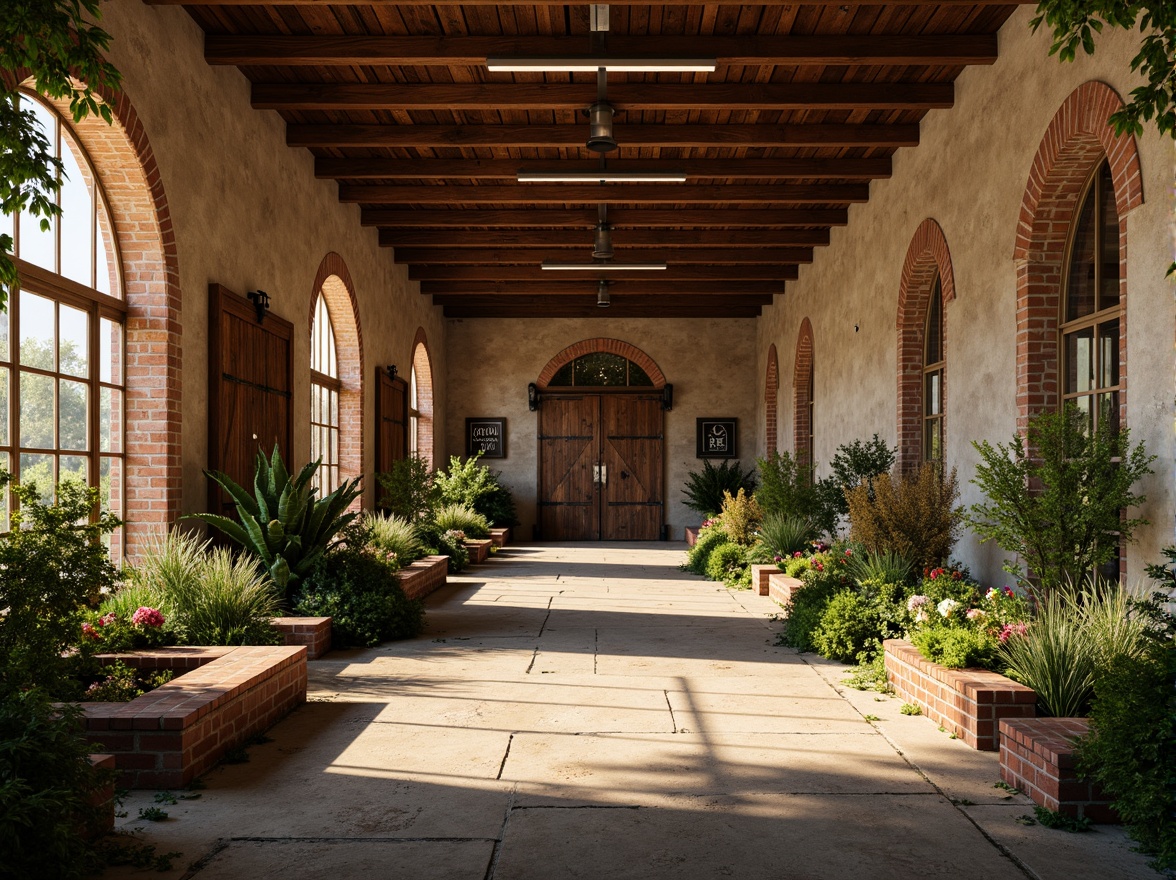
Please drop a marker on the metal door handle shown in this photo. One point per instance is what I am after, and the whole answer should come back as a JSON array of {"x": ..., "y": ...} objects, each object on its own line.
[
  {"x": 595, "y": 475},
  {"x": 604, "y": 475}
]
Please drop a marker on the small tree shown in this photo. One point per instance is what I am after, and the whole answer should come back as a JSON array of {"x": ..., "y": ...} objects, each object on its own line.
[
  {"x": 1058, "y": 501},
  {"x": 853, "y": 464},
  {"x": 914, "y": 515},
  {"x": 410, "y": 490},
  {"x": 787, "y": 489}
]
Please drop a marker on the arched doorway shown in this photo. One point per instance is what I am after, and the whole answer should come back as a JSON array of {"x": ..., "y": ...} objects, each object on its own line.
[{"x": 601, "y": 444}]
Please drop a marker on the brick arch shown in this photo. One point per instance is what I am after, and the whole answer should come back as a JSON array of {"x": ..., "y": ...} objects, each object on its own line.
[
  {"x": 129, "y": 176},
  {"x": 333, "y": 280},
  {"x": 602, "y": 344},
  {"x": 423, "y": 362},
  {"x": 927, "y": 258},
  {"x": 771, "y": 395},
  {"x": 1076, "y": 141},
  {"x": 802, "y": 374}
]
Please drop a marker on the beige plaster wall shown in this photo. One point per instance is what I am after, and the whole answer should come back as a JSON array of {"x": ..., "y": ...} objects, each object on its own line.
[
  {"x": 969, "y": 174},
  {"x": 248, "y": 213},
  {"x": 492, "y": 360}
]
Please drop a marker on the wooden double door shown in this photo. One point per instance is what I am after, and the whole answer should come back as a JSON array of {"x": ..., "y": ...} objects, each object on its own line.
[{"x": 601, "y": 467}]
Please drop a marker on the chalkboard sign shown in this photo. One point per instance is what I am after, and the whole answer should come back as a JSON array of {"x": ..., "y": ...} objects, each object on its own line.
[
  {"x": 716, "y": 439},
  {"x": 487, "y": 436}
]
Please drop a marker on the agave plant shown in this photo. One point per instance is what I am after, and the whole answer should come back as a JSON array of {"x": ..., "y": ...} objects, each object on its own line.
[{"x": 282, "y": 522}]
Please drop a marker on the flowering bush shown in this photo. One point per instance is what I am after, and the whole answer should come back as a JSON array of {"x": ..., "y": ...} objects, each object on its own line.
[
  {"x": 964, "y": 627},
  {"x": 121, "y": 684},
  {"x": 112, "y": 633}
]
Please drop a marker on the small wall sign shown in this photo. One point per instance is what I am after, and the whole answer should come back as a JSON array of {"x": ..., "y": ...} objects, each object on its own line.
[
  {"x": 487, "y": 436},
  {"x": 716, "y": 439}
]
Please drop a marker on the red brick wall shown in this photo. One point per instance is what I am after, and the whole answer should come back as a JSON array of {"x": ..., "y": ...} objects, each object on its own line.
[
  {"x": 424, "y": 576},
  {"x": 312, "y": 633},
  {"x": 1037, "y": 757},
  {"x": 927, "y": 257},
  {"x": 771, "y": 394},
  {"x": 423, "y": 363},
  {"x": 612, "y": 346},
  {"x": 801, "y": 376}
]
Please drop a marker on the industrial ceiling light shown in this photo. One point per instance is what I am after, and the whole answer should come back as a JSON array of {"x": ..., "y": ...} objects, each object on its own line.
[
  {"x": 601, "y": 266},
  {"x": 600, "y": 126},
  {"x": 602, "y": 175},
  {"x": 602, "y": 298},
  {"x": 602, "y": 247},
  {"x": 593, "y": 63}
]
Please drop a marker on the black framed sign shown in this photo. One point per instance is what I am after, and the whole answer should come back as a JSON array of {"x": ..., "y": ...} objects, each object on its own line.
[
  {"x": 487, "y": 436},
  {"x": 716, "y": 439}
]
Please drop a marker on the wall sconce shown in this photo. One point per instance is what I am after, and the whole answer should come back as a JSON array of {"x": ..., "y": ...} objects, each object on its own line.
[
  {"x": 261, "y": 303},
  {"x": 391, "y": 371},
  {"x": 532, "y": 396},
  {"x": 668, "y": 397}
]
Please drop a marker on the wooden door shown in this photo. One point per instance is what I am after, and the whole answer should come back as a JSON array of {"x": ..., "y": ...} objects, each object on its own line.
[
  {"x": 600, "y": 467},
  {"x": 391, "y": 421},
  {"x": 631, "y": 452},
  {"x": 569, "y": 450},
  {"x": 250, "y": 393}
]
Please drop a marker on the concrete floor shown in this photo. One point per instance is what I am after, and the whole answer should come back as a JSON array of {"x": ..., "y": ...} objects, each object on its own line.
[{"x": 590, "y": 711}]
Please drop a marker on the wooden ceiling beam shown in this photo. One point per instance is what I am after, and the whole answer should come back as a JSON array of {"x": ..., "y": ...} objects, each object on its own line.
[
  {"x": 628, "y": 306},
  {"x": 674, "y": 256},
  {"x": 633, "y": 136},
  {"x": 610, "y": 193},
  {"x": 622, "y": 95},
  {"x": 741, "y": 239},
  {"x": 391, "y": 168},
  {"x": 671, "y": 275},
  {"x": 744, "y": 50},
  {"x": 642, "y": 218},
  {"x": 587, "y": 286}
]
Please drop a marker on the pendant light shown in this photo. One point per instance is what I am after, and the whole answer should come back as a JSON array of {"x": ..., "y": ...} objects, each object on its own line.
[{"x": 603, "y": 300}]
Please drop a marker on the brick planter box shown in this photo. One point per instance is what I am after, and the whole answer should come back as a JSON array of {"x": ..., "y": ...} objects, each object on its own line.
[
  {"x": 424, "y": 576},
  {"x": 759, "y": 578},
  {"x": 169, "y": 736},
  {"x": 1037, "y": 756},
  {"x": 479, "y": 549},
  {"x": 103, "y": 799},
  {"x": 313, "y": 633},
  {"x": 781, "y": 587},
  {"x": 499, "y": 537},
  {"x": 691, "y": 535},
  {"x": 968, "y": 702}
]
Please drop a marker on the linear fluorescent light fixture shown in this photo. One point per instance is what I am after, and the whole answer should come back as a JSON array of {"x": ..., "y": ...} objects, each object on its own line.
[
  {"x": 602, "y": 267},
  {"x": 592, "y": 64},
  {"x": 602, "y": 176}
]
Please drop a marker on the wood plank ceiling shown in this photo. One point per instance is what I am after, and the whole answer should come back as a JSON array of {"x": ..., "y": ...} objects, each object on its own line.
[{"x": 807, "y": 105}]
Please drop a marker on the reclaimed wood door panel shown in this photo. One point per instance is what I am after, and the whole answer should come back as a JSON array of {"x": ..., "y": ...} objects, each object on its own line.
[
  {"x": 250, "y": 389},
  {"x": 631, "y": 451},
  {"x": 569, "y": 443},
  {"x": 391, "y": 421}
]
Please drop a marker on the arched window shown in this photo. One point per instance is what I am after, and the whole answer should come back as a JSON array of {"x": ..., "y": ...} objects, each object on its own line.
[
  {"x": 62, "y": 339},
  {"x": 324, "y": 399},
  {"x": 933, "y": 364},
  {"x": 1091, "y": 308},
  {"x": 601, "y": 369},
  {"x": 420, "y": 401},
  {"x": 803, "y": 443},
  {"x": 414, "y": 413}
]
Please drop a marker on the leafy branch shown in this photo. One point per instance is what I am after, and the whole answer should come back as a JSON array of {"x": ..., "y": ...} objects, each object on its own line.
[{"x": 56, "y": 43}]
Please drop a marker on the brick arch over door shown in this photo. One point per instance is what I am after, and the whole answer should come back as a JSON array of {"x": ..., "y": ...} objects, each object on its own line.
[
  {"x": 802, "y": 376},
  {"x": 333, "y": 280},
  {"x": 771, "y": 395},
  {"x": 1074, "y": 144},
  {"x": 131, "y": 181},
  {"x": 422, "y": 362},
  {"x": 602, "y": 344},
  {"x": 927, "y": 258}
]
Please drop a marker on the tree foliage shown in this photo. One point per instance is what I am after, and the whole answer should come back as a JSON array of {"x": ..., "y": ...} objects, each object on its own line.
[
  {"x": 914, "y": 515},
  {"x": 58, "y": 44}
]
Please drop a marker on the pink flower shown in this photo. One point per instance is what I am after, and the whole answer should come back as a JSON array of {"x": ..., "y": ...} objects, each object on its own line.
[
  {"x": 797, "y": 555},
  {"x": 975, "y": 614},
  {"x": 107, "y": 619},
  {"x": 90, "y": 631},
  {"x": 819, "y": 567},
  {"x": 145, "y": 616},
  {"x": 848, "y": 552},
  {"x": 1012, "y": 629},
  {"x": 914, "y": 603}
]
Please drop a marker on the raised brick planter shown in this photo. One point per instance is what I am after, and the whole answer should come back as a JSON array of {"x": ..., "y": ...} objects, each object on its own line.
[
  {"x": 499, "y": 537},
  {"x": 169, "y": 736},
  {"x": 759, "y": 578},
  {"x": 313, "y": 633},
  {"x": 1037, "y": 756},
  {"x": 479, "y": 549},
  {"x": 103, "y": 799},
  {"x": 781, "y": 587},
  {"x": 968, "y": 702},
  {"x": 424, "y": 576},
  {"x": 691, "y": 536}
]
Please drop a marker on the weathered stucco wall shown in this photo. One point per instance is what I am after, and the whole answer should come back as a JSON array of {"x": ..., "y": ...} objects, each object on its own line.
[
  {"x": 969, "y": 174},
  {"x": 248, "y": 213},
  {"x": 492, "y": 360}
]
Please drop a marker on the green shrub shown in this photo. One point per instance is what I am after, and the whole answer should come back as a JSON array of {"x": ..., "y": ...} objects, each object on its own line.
[
  {"x": 1053, "y": 658},
  {"x": 914, "y": 516},
  {"x": 886, "y": 566},
  {"x": 449, "y": 543},
  {"x": 804, "y": 612},
  {"x": 476, "y": 486},
  {"x": 704, "y": 490},
  {"x": 788, "y": 489},
  {"x": 854, "y": 464},
  {"x": 725, "y": 560},
  {"x": 459, "y": 518},
  {"x": 120, "y": 683},
  {"x": 849, "y": 622},
  {"x": 45, "y": 785},
  {"x": 360, "y": 591},
  {"x": 394, "y": 535},
  {"x": 698, "y": 556},
  {"x": 957, "y": 647},
  {"x": 408, "y": 488},
  {"x": 782, "y": 535},
  {"x": 740, "y": 517},
  {"x": 797, "y": 566}
]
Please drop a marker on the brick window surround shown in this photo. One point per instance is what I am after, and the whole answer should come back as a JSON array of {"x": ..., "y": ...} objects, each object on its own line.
[
  {"x": 1076, "y": 141},
  {"x": 802, "y": 378},
  {"x": 334, "y": 282},
  {"x": 602, "y": 344},
  {"x": 771, "y": 393},
  {"x": 423, "y": 364},
  {"x": 127, "y": 170},
  {"x": 927, "y": 258}
]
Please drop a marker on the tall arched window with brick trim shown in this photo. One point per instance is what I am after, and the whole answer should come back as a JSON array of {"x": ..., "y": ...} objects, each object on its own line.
[
  {"x": 324, "y": 399},
  {"x": 62, "y": 348},
  {"x": 420, "y": 402},
  {"x": 933, "y": 368},
  {"x": 771, "y": 393},
  {"x": 803, "y": 391},
  {"x": 1092, "y": 306}
]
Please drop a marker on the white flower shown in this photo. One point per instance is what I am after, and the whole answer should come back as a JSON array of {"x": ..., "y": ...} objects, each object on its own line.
[
  {"x": 947, "y": 606},
  {"x": 921, "y": 617}
]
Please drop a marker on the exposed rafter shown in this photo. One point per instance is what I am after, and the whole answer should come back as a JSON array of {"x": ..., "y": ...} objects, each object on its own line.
[
  {"x": 612, "y": 193},
  {"x": 671, "y": 275},
  {"x": 667, "y": 289},
  {"x": 708, "y": 256},
  {"x": 645, "y": 218},
  {"x": 522, "y": 240}
]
